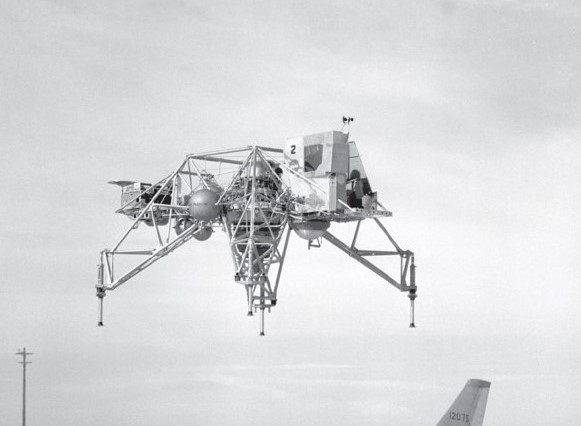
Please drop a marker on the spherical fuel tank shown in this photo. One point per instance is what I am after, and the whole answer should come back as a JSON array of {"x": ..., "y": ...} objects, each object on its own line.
[
  {"x": 203, "y": 234},
  {"x": 202, "y": 205},
  {"x": 310, "y": 229}
]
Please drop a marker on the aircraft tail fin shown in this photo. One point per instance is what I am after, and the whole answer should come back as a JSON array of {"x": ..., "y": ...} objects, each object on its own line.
[{"x": 469, "y": 406}]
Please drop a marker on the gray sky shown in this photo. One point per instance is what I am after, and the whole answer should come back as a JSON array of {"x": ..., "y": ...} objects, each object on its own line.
[{"x": 468, "y": 119}]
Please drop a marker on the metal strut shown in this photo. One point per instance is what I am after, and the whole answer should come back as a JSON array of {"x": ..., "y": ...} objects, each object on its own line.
[
  {"x": 100, "y": 292},
  {"x": 262, "y": 321},
  {"x": 407, "y": 269},
  {"x": 412, "y": 293}
]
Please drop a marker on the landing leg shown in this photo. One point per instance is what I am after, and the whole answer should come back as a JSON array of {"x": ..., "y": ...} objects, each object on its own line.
[
  {"x": 412, "y": 295},
  {"x": 100, "y": 295},
  {"x": 100, "y": 291}
]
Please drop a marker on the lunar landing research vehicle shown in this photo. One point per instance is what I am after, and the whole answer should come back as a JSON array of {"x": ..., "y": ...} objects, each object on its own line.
[{"x": 258, "y": 196}]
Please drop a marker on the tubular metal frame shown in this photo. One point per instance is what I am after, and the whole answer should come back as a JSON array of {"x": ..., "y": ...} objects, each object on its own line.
[{"x": 257, "y": 211}]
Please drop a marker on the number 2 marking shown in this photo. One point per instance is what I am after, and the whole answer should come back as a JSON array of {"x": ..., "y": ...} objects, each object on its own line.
[{"x": 293, "y": 149}]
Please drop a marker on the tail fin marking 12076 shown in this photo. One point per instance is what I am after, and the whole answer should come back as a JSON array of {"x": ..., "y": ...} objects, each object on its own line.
[{"x": 468, "y": 408}]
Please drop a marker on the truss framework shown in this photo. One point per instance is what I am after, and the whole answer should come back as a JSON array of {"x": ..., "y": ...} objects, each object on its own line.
[
  {"x": 255, "y": 218},
  {"x": 257, "y": 210}
]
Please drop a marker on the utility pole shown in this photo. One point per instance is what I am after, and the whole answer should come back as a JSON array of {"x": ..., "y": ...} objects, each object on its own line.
[{"x": 24, "y": 362}]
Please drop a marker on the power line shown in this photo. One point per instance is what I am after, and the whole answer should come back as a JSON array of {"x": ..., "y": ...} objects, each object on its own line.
[{"x": 24, "y": 354}]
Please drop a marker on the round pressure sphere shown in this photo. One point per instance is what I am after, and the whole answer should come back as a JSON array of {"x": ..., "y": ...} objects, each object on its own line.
[
  {"x": 310, "y": 230},
  {"x": 203, "y": 234},
  {"x": 203, "y": 206}
]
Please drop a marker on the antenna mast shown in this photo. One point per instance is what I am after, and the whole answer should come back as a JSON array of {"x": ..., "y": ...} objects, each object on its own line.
[
  {"x": 347, "y": 122},
  {"x": 23, "y": 353}
]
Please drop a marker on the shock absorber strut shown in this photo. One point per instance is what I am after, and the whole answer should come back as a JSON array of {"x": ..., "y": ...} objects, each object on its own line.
[
  {"x": 100, "y": 293},
  {"x": 412, "y": 293}
]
